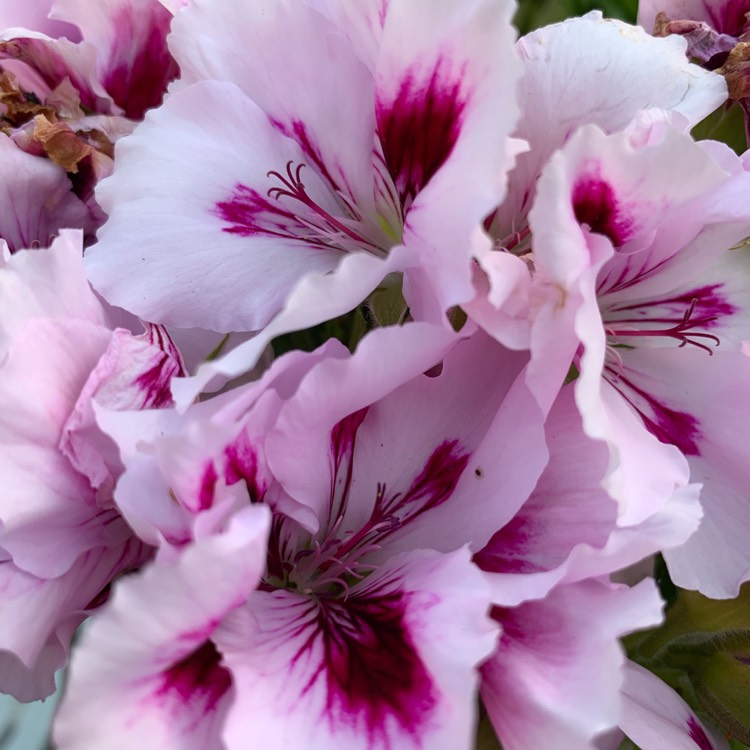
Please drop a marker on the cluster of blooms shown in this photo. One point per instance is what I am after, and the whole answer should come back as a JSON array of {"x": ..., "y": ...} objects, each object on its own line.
[{"x": 541, "y": 291}]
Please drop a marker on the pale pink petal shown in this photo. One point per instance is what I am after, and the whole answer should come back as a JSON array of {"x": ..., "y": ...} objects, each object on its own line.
[
  {"x": 134, "y": 373},
  {"x": 46, "y": 284},
  {"x": 655, "y": 717},
  {"x": 36, "y": 199},
  {"x": 316, "y": 298},
  {"x": 147, "y": 668},
  {"x": 555, "y": 677},
  {"x": 43, "y": 375},
  {"x": 361, "y": 23},
  {"x": 601, "y": 71},
  {"x": 205, "y": 229},
  {"x": 570, "y": 528},
  {"x": 392, "y": 665},
  {"x": 334, "y": 126},
  {"x": 40, "y": 616},
  {"x": 35, "y": 16},
  {"x": 705, "y": 418},
  {"x": 184, "y": 473},
  {"x": 363, "y": 441}
]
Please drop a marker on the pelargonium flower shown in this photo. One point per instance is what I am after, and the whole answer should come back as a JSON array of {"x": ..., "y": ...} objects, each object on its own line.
[
  {"x": 634, "y": 249},
  {"x": 370, "y": 618},
  {"x": 588, "y": 70},
  {"x": 547, "y": 567},
  {"x": 61, "y": 539},
  {"x": 252, "y": 184}
]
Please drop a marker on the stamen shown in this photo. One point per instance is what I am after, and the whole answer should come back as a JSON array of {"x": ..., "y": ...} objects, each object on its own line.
[
  {"x": 294, "y": 188},
  {"x": 514, "y": 241},
  {"x": 680, "y": 331}
]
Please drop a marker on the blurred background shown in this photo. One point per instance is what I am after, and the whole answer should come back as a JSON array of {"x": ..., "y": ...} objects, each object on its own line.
[{"x": 535, "y": 13}]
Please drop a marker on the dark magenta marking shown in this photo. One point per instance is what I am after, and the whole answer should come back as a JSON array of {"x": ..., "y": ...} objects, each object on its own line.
[
  {"x": 709, "y": 307},
  {"x": 419, "y": 128},
  {"x": 343, "y": 438},
  {"x": 671, "y": 426},
  {"x": 198, "y": 678},
  {"x": 155, "y": 381},
  {"x": 250, "y": 214},
  {"x": 242, "y": 465},
  {"x": 698, "y": 735},
  {"x": 141, "y": 63},
  {"x": 207, "y": 486},
  {"x": 435, "y": 483},
  {"x": 729, "y": 17},
  {"x": 373, "y": 676},
  {"x": 508, "y": 551},
  {"x": 595, "y": 204}
]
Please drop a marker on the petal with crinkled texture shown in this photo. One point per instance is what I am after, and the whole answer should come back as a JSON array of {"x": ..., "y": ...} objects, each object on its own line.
[
  {"x": 599, "y": 71},
  {"x": 41, "y": 380},
  {"x": 185, "y": 472},
  {"x": 40, "y": 616},
  {"x": 134, "y": 373},
  {"x": 570, "y": 528},
  {"x": 555, "y": 677},
  {"x": 147, "y": 668},
  {"x": 362, "y": 441},
  {"x": 133, "y": 62},
  {"x": 390, "y": 666}
]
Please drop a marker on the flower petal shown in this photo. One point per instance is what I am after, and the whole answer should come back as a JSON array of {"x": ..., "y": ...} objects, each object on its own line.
[
  {"x": 206, "y": 230},
  {"x": 555, "y": 677},
  {"x": 393, "y": 665},
  {"x": 654, "y": 716},
  {"x": 146, "y": 668}
]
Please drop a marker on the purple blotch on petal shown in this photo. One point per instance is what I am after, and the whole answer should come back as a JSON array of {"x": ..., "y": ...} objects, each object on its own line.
[
  {"x": 242, "y": 464},
  {"x": 671, "y": 426},
  {"x": 437, "y": 480},
  {"x": 199, "y": 677},
  {"x": 709, "y": 307},
  {"x": 374, "y": 679},
  {"x": 419, "y": 128},
  {"x": 511, "y": 548},
  {"x": 730, "y": 16},
  {"x": 144, "y": 65},
  {"x": 207, "y": 486},
  {"x": 698, "y": 735},
  {"x": 595, "y": 205},
  {"x": 248, "y": 214}
]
